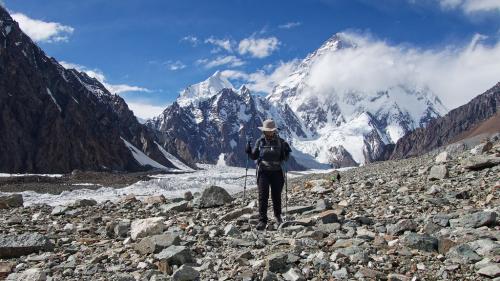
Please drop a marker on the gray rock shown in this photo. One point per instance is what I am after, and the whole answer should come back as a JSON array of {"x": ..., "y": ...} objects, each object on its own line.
[
  {"x": 13, "y": 246},
  {"x": 341, "y": 273},
  {"x": 188, "y": 196},
  {"x": 438, "y": 172},
  {"x": 485, "y": 247},
  {"x": 33, "y": 274},
  {"x": 84, "y": 203},
  {"x": 231, "y": 230},
  {"x": 124, "y": 277},
  {"x": 146, "y": 227},
  {"x": 156, "y": 243},
  {"x": 121, "y": 229},
  {"x": 214, "y": 196},
  {"x": 422, "y": 242},
  {"x": 277, "y": 262},
  {"x": 475, "y": 220},
  {"x": 328, "y": 216},
  {"x": 293, "y": 274},
  {"x": 442, "y": 157},
  {"x": 236, "y": 214},
  {"x": 401, "y": 226},
  {"x": 462, "y": 254},
  {"x": 176, "y": 255},
  {"x": 176, "y": 206},
  {"x": 481, "y": 162},
  {"x": 59, "y": 210},
  {"x": 299, "y": 209},
  {"x": 491, "y": 271},
  {"x": 269, "y": 276},
  {"x": 441, "y": 219},
  {"x": 11, "y": 201},
  {"x": 185, "y": 273}
]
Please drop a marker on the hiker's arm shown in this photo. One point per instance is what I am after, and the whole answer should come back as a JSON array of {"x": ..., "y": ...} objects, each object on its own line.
[
  {"x": 253, "y": 154},
  {"x": 286, "y": 151}
]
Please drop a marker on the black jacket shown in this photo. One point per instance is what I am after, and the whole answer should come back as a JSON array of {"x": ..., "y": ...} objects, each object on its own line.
[{"x": 261, "y": 154}]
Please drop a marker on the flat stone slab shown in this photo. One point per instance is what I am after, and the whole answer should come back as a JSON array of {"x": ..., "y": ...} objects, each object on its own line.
[{"x": 13, "y": 246}]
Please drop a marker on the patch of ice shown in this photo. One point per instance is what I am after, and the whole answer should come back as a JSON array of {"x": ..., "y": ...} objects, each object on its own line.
[
  {"x": 173, "y": 159},
  {"x": 233, "y": 144},
  {"x": 54, "y": 99},
  {"x": 142, "y": 158},
  {"x": 221, "y": 162},
  {"x": 6, "y": 175},
  {"x": 170, "y": 185}
]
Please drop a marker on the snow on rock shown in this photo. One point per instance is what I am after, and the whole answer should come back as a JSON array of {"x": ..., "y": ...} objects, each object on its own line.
[
  {"x": 204, "y": 90},
  {"x": 221, "y": 161},
  {"x": 177, "y": 163},
  {"x": 54, "y": 99},
  {"x": 6, "y": 175},
  {"x": 142, "y": 158}
]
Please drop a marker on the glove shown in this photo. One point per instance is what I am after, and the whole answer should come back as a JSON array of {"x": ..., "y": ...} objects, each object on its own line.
[{"x": 248, "y": 148}]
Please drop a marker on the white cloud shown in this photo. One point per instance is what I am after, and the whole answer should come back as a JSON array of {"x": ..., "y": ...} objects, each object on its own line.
[
  {"x": 258, "y": 47},
  {"x": 232, "y": 61},
  {"x": 193, "y": 40},
  {"x": 99, "y": 75},
  {"x": 225, "y": 44},
  {"x": 145, "y": 110},
  {"x": 175, "y": 65},
  {"x": 263, "y": 80},
  {"x": 289, "y": 25},
  {"x": 455, "y": 73},
  {"x": 471, "y": 6},
  {"x": 41, "y": 31}
]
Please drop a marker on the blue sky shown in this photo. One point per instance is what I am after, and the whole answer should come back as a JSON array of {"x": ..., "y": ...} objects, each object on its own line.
[{"x": 150, "y": 50}]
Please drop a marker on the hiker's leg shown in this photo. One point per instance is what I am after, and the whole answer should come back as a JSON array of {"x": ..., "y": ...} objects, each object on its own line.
[
  {"x": 277, "y": 183},
  {"x": 263, "y": 185}
]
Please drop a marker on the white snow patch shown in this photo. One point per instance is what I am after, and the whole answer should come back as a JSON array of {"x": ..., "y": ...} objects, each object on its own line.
[
  {"x": 173, "y": 159},
  {"x": 204, "y": 90},
  {"x": 233, "y": 144},
  {"x": 221, "y": 162},
  {"x": 8, "y": 29},
  {"x": 142, "y": 158},
  {"x": 54, "y": 99},
  {"x": 395, "y": 132},
  {"x": 6, "y": 175},
  {"x": 170, "y": 185}
]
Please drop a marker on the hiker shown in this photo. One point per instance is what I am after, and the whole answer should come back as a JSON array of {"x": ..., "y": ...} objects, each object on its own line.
[
  {"x": 338, "y": 177},
  {"x": 270, "y": 151}
]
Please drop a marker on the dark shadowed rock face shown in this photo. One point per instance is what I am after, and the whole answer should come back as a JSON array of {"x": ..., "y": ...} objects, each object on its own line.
[
  {"x": 55, "y": 120},
  {"x": 446, "y": 129}
]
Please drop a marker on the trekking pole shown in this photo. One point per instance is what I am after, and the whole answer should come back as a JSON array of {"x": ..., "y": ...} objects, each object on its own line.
[{"x": 246, "y": 175}]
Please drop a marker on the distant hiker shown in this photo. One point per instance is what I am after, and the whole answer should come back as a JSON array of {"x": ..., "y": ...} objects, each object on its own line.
[
  {"x": 270, "y": 151},
  {"x": 338, "y": 177}
]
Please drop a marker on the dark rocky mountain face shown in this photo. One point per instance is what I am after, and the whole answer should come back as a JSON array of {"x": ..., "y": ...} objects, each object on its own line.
[
  {"x": 216, "y": 128},
  {"x": 446, "y": 129},
  {"x": 55, "y": 120}
]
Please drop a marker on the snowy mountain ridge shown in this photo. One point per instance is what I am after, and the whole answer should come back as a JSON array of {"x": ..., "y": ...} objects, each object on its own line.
[{"x": 325, "y": 125}]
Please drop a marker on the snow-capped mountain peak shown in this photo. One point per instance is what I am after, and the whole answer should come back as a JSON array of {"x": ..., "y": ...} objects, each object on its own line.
[{"x": 201, "y": 91}]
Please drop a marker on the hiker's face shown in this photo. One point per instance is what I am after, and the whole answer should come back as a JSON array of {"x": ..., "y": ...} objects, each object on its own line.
[{"x": 268, "y": 134}]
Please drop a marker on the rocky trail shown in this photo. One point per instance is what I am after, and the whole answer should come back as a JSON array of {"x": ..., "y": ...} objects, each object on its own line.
[{"x": 434, "y": 217}]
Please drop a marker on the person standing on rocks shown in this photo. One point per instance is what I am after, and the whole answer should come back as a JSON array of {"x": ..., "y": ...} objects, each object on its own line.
[{"x": 271, "y": 152}]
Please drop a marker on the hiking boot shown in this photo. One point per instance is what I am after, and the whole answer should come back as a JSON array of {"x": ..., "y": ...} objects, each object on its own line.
[
  {"x": 279, "y": 221},
  {"x": 261, "y": 226}
]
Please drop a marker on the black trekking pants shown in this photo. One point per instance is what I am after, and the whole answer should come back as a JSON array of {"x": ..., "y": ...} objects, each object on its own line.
[{"x": 275, "y": 180}]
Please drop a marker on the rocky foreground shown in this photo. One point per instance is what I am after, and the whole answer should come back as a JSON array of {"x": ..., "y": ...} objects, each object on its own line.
[{"x": 434, "y": 217}]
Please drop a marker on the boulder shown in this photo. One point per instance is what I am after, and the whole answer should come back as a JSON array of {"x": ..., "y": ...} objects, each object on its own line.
[
  {"x": 185, "y": 273},
  {"x": 480, "y": 162},
  {"x": 475, "y": 220},
  {"x": 277, "y": 262},
  {"x": 462, "y": 254},
  {"x": 214, "y": 196},
  {"x": 438, "y": 172},
  {"x": 146, "y": 227},
  {"x": 422, "y": 242},
  {"x": 13, "y": 246},
  {"x": 491, "y": 271},
  {"x": 11, "y": 201},
  {"x": 401, "y": 226},
  {"x": 176, "y": 255},
  {"x": 176, "y": 206},
  {"x": 33, "y": 274},
  {"x": 442, "y": 157},
  {"x": 156, "y": 243}
]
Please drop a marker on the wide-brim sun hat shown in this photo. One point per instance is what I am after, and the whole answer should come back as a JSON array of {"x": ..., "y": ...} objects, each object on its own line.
[{"x": 268, "y": 126}]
